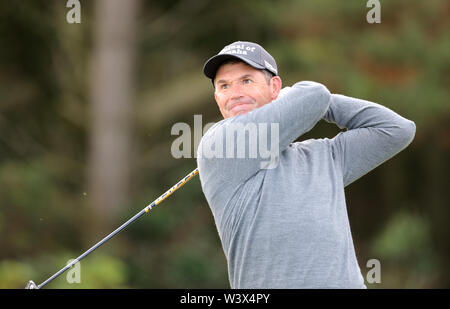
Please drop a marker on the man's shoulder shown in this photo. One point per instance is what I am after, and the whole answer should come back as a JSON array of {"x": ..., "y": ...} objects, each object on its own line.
[
  {"x": 319, "y": 148},
  {"x": 214, "y": 127}
]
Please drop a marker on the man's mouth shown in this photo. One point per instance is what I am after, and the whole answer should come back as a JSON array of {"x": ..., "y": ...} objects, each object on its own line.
[{"x": 240, "y": 106}]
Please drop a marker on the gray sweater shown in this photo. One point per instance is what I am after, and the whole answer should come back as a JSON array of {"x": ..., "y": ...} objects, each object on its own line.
[{"x": 285, "y": 224}]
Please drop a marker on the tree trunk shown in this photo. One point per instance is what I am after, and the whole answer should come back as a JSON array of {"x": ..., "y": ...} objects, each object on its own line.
[{"x": 112, "y": 95}]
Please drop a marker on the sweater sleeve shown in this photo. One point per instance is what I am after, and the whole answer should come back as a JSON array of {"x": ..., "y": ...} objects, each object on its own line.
[
  {"x": 271, "y": 127},
  {"x": 374, "y": 134}
]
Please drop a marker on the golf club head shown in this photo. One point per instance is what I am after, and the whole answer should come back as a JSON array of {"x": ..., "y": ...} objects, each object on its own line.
[{"x": 31, "y": 286}]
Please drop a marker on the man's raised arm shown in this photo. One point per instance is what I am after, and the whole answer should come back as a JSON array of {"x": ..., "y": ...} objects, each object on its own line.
[
  {"x": 375, "y": 134},
  {"x": 295, "y": 112}
]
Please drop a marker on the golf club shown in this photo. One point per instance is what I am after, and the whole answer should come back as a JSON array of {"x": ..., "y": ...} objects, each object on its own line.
[{"x": 32, "y": 285}]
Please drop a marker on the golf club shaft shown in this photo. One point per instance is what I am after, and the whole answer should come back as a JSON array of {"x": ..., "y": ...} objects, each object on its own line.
[{"x": 134, "y": 218}]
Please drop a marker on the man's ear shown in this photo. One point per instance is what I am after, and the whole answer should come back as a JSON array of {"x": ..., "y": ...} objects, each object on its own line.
[{"x": 276, "y": 86}]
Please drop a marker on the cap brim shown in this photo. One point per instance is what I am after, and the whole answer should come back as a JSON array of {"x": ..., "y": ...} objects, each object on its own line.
[{"x": 213, "y": 63}]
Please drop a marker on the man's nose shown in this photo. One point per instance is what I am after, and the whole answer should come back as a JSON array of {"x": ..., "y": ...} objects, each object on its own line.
[{"x": 236, "y": 92}]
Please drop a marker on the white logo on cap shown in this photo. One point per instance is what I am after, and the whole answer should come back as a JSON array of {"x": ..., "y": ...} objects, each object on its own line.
[
  {"x": 269, "y": 66},
  {"x": 240, "y": 49}
]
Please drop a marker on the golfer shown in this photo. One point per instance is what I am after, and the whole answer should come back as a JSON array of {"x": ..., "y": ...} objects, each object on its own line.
[{"x": 283, "y": 223}]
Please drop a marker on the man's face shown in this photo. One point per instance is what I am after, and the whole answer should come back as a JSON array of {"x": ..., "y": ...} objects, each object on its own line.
[{"x": 240, "y": 88}]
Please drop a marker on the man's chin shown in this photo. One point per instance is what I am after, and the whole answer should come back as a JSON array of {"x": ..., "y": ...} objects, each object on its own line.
[{"x": 241, "y": 113}]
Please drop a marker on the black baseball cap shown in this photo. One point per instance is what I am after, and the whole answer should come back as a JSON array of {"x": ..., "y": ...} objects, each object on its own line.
[{"x": 251, "y": 53}]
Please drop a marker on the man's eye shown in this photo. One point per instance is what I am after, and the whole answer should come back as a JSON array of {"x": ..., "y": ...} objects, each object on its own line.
[
  {"x": 247, "y": 81},
  {"x": 224, "y": 86}
]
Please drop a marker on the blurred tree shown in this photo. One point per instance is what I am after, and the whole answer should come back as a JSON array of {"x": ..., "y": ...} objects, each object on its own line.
[{"x": 112, "y": 68}]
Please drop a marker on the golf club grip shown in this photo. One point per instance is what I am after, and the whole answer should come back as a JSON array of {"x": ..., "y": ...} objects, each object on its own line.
[{"x": 173, "y": 189}]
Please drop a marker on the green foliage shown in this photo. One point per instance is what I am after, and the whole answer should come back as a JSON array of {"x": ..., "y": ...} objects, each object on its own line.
[
  {"x": 405, "y": 236},
  {"x": 15, "y": 275},
  {"x": 405, "y": 252},
  {"x": 100, "y": 271}
]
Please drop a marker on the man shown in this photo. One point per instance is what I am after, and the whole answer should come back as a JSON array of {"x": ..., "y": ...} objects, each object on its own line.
[{"x": 285, "y": 224}]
